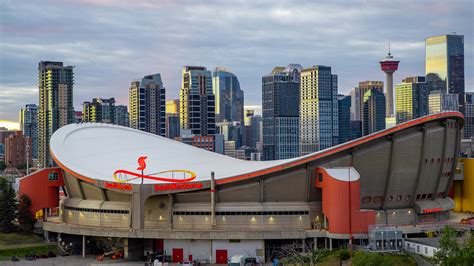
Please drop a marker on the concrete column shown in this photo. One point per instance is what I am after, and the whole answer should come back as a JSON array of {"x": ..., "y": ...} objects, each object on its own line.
[
  {"x": 315, "y": 243},
  {"x": 213, "y": 200},
  {"x": 210, "y": 257},
  {"x": 125, "y": 248},
  {"x": 83, "y": 246},
  {"x": 46, "y": 235},
  {"x": 303, "y": 245},
  {"x": 138, "y": 215},
  {"x": 326, "y": 243},
  {"x": 330, "y": 244}
]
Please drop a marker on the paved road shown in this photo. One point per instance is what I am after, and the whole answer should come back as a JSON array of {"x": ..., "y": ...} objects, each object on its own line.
[{"x": 70, "y": 261}]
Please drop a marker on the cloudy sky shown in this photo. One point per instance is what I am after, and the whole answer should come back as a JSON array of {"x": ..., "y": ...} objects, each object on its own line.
[{"x": 112, "y": 42}]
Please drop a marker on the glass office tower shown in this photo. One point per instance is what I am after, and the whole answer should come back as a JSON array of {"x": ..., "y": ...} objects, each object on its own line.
[
  {"x": 280, "y": 107},
  {"x": 228, "y": 96},
  {"x": 445, "y": 64}
]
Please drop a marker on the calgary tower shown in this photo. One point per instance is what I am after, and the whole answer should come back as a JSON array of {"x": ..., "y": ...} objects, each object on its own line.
[{"x": 389, "y": 65}]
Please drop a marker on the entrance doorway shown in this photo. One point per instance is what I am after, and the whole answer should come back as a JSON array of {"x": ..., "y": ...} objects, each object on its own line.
[
  {"x": 221, "y": 256},
  {"x": 177, "y": 255}
]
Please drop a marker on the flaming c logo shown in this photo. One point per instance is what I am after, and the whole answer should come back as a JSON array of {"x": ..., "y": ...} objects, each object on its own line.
[{"x": 124, "y": 176}]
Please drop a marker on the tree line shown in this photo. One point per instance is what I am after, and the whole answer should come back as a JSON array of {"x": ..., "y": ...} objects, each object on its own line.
[{"x": 15, "y": 214}]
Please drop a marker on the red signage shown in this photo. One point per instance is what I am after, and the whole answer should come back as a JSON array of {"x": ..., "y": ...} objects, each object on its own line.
[
  {"x": 182, "y": 176},
  {"x": 119, "y": 186},
  {"x": 432, "y": 210},
  {"x": 177, "y": 179},
  {"x": 177, "y": 186},
  {"x": 141, "y": 162}
]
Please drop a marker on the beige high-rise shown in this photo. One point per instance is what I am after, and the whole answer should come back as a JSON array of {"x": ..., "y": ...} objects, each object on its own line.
[{"x": 55, "y": 104}]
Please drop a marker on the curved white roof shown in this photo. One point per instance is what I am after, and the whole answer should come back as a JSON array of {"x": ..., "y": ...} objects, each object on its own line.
[{"x": 96, "y": 151}]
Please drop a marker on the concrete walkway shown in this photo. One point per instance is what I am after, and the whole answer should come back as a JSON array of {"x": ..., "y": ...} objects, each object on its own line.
[{"x": 420, "y": 261}]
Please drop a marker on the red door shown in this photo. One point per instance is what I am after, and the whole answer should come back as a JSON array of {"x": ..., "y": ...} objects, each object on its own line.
[
  {"x": 177, "y": 255},
  {"x": 221, "y": 256},
  {"x": 158, "y": 245}
]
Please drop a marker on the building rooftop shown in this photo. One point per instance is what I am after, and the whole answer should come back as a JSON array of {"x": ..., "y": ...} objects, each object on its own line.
[{"x": 97, "y": 151}]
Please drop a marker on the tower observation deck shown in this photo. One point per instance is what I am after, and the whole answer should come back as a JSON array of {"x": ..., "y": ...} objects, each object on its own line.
[{"x": 389, "y": 65}]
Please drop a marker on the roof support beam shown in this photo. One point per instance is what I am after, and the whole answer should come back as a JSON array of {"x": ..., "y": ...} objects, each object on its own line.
[
  {"x": 421, "y": 167},
  {"x": 457, "y": 144},
  {"x": 104, "y": 195},
  {"x": 66, "y": 185},
  {"x": 170, "y": 210},
  {"x": 81, "y": 190},
  {"x": 390, "y": 169},
  {"x": 441, "y": 165}
]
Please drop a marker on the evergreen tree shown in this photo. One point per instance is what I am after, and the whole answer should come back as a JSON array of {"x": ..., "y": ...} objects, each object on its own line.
[
  {"x": 7, "y": 207},
  {"x": 26, "y": 219}
]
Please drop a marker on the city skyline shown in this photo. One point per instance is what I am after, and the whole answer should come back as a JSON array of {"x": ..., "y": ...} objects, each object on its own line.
[{"x": 101, "y": 46}]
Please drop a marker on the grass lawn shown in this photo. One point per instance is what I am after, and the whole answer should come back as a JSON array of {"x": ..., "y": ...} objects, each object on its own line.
[
  {"x": 6, "y": 254},
  {"x": 21, "y": 245},
  {"x": 332, "y": 259},
  {"x": 17, "y": 239},
  {"x": 398, "y": 259}
]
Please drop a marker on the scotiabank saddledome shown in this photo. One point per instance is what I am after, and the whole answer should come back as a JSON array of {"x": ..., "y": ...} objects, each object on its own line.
[{"x": 158, "y": 194}]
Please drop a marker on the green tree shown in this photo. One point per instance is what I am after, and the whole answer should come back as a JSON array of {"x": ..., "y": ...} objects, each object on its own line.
[
  {"x": 7, "y": 207},
  {"x": 21, "y": 166},
  {"x": 26, "y": 219},
  {"x": 450, "y": 252},
  {"x": 448, "y": 248},
  {"x": 2, "y": 165},
  {"x": 465, "y": 255}
]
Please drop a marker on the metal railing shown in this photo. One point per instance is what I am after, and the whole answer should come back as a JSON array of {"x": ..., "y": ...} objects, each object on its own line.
[{"x": 427, "y": 226}]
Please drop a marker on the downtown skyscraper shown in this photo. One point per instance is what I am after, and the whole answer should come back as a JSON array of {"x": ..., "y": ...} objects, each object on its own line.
[
  {"x": 55, "y": 104},
  {"x": 469, "y": 116},
  {"x": 29, "y": 126},
  {"x": 197, "y": 101},
  {"x": 121, "y": 116},
  {"x": 319, "y": 126},
  {"x": 280, "y": 109},
  {"x": 439, "y": 101},
  {"x": 411, "y": 99},
  {"x": 147, "y": 98},
  {"x": 444, "y": 65},
  {"x": 172, "y": 119},
  {"x": 229, "y": 98},
  {"x": 374, "y": 111},
  {"x": 344, "y": 118},
  {"x": 99, "y": 111}
]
